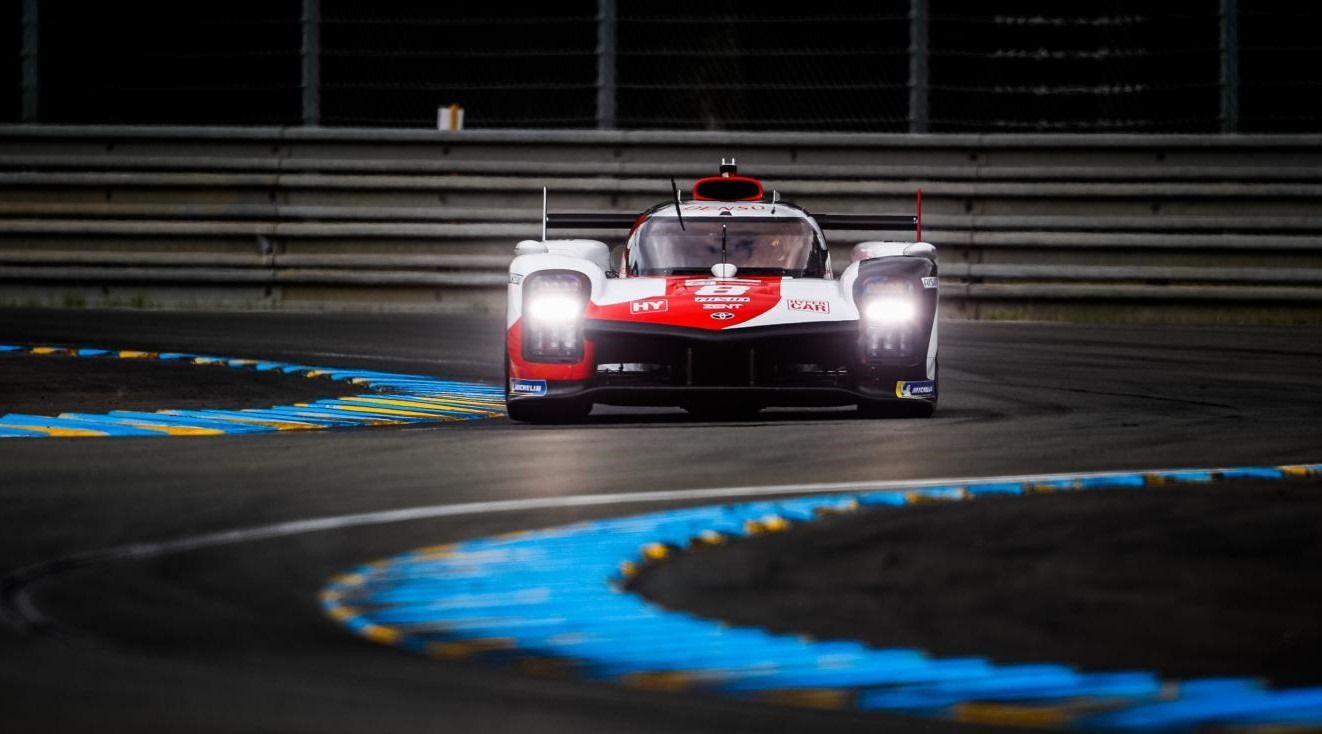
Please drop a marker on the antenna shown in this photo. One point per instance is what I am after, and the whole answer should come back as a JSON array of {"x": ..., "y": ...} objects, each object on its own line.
[
  {"x": 919, "y": 218},
  {"x": 722, "y": 245},
  {"x": 543, "y": 214},
  {"x": 678, "y": 214}
]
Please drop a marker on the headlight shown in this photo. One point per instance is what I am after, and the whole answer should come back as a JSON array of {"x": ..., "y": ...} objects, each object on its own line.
[
  {"x": 889, "y": 309},
  {"x": 554, "y": 308},
  {"x": 553, "y": 304}
]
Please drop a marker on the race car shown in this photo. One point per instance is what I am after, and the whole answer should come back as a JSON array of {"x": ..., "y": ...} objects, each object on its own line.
[{"x": 723, "y": 304}]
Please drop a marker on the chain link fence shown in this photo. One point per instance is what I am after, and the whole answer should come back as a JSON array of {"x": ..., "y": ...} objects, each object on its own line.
[
  {"x": 830, "y": 65},
  {"x": 511, "y": 65},
  {"x": 1075, "y": 67},
  {"x": 1179, "y": 66},
  {"x": 1280, "y": 70},
  {"x": 163, "y": 62}
]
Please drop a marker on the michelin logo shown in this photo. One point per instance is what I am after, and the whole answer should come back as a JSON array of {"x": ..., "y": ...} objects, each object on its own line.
[
  {"x": 915, "y": 389},
  {"x": 533, "y": 388}
]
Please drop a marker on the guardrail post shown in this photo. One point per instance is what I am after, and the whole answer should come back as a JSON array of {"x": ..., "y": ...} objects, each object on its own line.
[
  {"x": 918, "y": 52},
  {"x": 311, "y": 58},
  {"x": 30, "y": 82},
  {"x": 1229, "y": 66},
  {"x": 606, "y": 64}
]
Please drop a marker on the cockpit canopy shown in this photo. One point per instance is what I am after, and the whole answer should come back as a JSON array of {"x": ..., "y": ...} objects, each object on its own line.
[{"x": 782, "y": 246}]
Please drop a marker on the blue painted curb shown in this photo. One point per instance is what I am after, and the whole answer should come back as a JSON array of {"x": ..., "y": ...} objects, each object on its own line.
[
  {"x": 553, "y": 600},
  {"x": 395, "y": 399}
]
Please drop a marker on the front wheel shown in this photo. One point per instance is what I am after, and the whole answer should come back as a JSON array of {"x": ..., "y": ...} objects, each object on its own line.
[{"x": 548, "y": 410}]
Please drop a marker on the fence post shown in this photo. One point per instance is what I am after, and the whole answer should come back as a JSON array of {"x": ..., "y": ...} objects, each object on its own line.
[
  {"x": 1229, "y": 66},
  {"x": 918, "y": 52},
  {"x": 311, "y": 58},
  {"x": 606, "y": 64},
  {"x": 30, "y": 78}
]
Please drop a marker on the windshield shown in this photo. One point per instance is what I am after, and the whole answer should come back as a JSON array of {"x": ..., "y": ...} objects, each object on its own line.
[{"x": 761, "y": 246}]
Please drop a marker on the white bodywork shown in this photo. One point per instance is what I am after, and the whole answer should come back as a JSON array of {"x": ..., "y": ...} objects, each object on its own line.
[{"x": 593, "y": 259}]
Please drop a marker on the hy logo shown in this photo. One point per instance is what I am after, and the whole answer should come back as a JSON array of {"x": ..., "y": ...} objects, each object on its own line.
[{"x": 654, "y": 306}]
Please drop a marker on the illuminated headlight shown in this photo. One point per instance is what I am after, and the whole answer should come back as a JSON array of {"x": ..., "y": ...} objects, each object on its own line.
[
  {"x": 554, "y": 308},
  {"x": 889, "y": 310},
  {"x": 553, "y": 304}
]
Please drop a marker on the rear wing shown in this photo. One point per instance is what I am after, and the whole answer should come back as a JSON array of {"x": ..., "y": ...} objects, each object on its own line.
[
  {"x": 626, "y": 220},
  {"x": 866, "y": 221},
  {"x": 876, "y": 221},
  {"x": 590, "y": 220}
]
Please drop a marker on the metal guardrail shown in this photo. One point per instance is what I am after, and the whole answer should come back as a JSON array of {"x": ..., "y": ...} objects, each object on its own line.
[
  {"x": 1032, "y": 221},
  {"x": 805, "y": 187}
]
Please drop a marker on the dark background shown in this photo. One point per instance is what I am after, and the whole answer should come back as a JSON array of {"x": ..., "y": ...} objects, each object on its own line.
[{"x": 1086, "y": 66}]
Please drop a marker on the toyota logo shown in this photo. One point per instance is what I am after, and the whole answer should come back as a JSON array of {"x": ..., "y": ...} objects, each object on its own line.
[{"x": 722, "y": 315}]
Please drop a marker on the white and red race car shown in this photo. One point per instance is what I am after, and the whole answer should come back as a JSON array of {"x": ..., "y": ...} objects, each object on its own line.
[{"x": 722, "y": 304}]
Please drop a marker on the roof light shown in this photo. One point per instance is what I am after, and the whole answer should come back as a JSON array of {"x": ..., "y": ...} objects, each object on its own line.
[{"x": 727, "y": 188}]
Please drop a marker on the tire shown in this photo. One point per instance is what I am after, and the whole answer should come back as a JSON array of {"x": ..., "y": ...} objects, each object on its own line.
[{"x": 547, "y": 410}]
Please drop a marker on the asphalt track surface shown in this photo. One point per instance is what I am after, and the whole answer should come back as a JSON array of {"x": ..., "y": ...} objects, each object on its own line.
[{"x": 229, "y": 637}]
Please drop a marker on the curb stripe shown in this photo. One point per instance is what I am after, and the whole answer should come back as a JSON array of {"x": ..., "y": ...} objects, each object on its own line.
[
  {"x": 14, "y": 431},
  {"x": 165, "y": 419},
  {"x": 227, "y": 416},
  {"x": 554, "y": 599},
  {"x": 64, "y": 426},
  {"x": 397, "y": 399},
  {"x": 144, "y": 428},
  {"x": 44, "y": 428}
]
